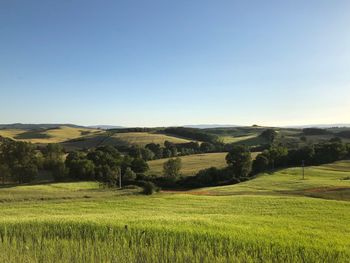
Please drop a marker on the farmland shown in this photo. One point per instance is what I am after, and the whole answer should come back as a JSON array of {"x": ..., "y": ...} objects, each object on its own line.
[
  {"x": 120, "y": 139},
  {"x": 191, "y": 164},
  {"x": 44, "y": 136},
  {"x": 329, "y": 181},
  {"x": 271, "y": 218},
  {"x": 143, "y": 138}
]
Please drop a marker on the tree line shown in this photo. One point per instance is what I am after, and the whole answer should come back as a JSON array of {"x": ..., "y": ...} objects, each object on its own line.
[
  {"x": 21, "y": 162},
  {"x": 241, "y": 167}
]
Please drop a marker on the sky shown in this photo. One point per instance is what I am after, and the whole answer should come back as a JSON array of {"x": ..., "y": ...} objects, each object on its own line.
[{"x": 167, "y": 63}]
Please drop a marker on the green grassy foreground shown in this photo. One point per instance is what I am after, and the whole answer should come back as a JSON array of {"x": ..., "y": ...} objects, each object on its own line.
[{"x": 262, "y": 220}]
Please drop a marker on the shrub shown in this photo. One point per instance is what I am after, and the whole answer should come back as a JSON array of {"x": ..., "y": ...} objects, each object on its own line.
[{"x": 149, "y": 188}]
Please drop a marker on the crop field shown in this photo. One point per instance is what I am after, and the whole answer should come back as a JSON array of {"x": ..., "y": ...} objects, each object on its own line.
[
  {"x": 250, "y": 138},
  {"x": 120, "y": 139},
  {"x": 191, "y": 164},
  {"x": 143, "y": 138},
  {"x": 56, "y": 135},
  {"x": 330, "y": 181},
  {"x": 10, "y": 133},
  {"x": 269, "y": 219}
]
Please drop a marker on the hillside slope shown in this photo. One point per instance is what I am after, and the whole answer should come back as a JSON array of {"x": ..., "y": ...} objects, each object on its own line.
[
  {"x": 48, "y": 135},
  {"x": 263, "y": 220},
  {"x": 331, "y": 181}
]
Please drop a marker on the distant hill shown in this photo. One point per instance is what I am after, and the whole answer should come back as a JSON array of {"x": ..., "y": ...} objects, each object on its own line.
[
  {"x": 24, "y": 126},
  {"x": 325, "y": 126},
  {"x": 210, "y": 126},
  {"x": 105, "y": 127}
]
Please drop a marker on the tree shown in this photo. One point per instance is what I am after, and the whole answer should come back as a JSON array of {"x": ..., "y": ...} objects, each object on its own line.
[
  {"x": 269, "y": 135},
  {"x": 315, "y": 131},
  {"x": 147, "y": 154},
  {"x": 240, "y": 161},
  {"x": 156, "y": 149},
  {"x": 169, "y": 146},
  {"x": 112, "y": 177},
  {"x": 25, "y": 173},
  {"x": 129, "y": 175},
  {"x": 172, "y": 167},
  {"x": 139, "y": 165},
  {"x": 54, "y": 161},
  {"x": 125, "y": 163},
  {"x": 306, "y": 154},
  {"x": 135, "y": 152},
  {"x": 260, "y": 164},
  {"x": 336, "y": 140},
  {"x": 53, "y": 152},
  {"x": 5, "y": 172},
  {"x": 207, "y": 147},
  {"x": 59, "y": 171},
  {"x": 278, "y": 156},
  {"x": 329, "y": 152},
  {"x": 80, "y": 167},
  {"x": 20, "y": 158},
  {"x": 167, "y": 153}
]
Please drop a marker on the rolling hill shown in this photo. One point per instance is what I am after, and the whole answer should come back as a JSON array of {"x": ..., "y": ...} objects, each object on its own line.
[
  {"x": 191, "y": 164},
  {"x": 274, "y": 218},
  {"x": 48, "y": 135},
  {"x": 74, "y": 137}
]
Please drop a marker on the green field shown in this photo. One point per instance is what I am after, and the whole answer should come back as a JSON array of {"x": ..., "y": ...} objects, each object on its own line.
[
  {"x": 273, "y": 218},
  {"x": 331, "y": 181},
  {"x": 191, "y": 164}
]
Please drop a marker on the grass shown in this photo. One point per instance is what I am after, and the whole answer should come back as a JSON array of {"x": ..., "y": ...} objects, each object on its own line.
[
  {"x": 191, "y": 164},
  {"x": 120, "y": 139},
  {"x": 143, "y": 138},
  {"x": 263, "y": 220},
  {"x": 10, "y": 133},
  {"x": 251, "y": 138},
  {"x": 56, "y": 135},
  {"x": 326, "y": 181}
]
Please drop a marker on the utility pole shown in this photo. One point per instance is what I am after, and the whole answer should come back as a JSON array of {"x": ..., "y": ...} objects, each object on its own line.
[
  {"x": 120, "y": 178},
  {"x": 303, "y": 168}
]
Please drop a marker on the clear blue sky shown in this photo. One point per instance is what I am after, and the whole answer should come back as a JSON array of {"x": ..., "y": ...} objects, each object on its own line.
[{"x": 158, "y": 63}]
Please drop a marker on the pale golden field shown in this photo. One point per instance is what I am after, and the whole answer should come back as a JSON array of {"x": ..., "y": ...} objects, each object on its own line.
[{"x": 143, "y": 138}]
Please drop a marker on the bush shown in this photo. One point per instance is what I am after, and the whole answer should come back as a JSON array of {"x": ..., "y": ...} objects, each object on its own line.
[
  {"x": 149, "y": 188},
  {"x": 139, "y": 165}
]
